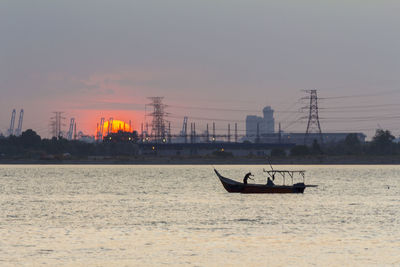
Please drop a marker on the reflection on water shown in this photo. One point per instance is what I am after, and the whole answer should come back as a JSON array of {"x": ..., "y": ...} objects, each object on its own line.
[{"x": 181, "y": 215}]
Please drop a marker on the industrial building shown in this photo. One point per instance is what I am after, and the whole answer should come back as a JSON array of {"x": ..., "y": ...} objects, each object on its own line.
[
  {"x": 207, "y": 149},
  {"x": 300, "y": 138},
  {"x": 262, "y": 130},
  {"x": 259, "y": 130},
  {"x": 256, "y": 125}
]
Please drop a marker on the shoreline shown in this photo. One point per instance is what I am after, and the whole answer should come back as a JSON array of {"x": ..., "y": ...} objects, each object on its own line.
[{"x": 325, "y": 160}]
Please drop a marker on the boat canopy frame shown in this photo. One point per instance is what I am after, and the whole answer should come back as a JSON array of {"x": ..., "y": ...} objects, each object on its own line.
[{"x": 283, "y": 173}]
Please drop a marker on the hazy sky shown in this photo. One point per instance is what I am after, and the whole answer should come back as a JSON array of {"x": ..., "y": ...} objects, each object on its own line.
[{"x": 103, "y": 58}]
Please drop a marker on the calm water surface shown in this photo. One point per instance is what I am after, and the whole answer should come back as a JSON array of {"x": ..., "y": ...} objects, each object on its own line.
[{"x": 181, "y": 215}]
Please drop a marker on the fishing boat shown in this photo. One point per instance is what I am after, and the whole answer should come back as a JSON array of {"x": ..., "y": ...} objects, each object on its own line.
[{"x": 233, "y": 186}]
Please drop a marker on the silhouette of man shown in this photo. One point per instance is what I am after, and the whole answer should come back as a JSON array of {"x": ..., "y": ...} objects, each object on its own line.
[{"x": 247, "y": 176}]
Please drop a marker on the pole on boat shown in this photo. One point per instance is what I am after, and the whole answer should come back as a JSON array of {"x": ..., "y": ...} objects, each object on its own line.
[
  {"x": 269, "y": 161},
  {"x": 273, "y": 172}
]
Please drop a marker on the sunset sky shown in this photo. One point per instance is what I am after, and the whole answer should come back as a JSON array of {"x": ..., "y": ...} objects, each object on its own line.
[{"x": 97, "y": 58}]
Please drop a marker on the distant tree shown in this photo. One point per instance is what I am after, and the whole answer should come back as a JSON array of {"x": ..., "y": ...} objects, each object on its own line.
[
  {"x": 351, "y": 145},
  {"x": 382, "y": 142},
  {"x": 135, "y": 136},
  {"x": 278, "y": 152},
  {"x": 30, "y": 139},
  {"x": 222, "y": 154},
  {"x": 383, "y": 137},
  {"x": 55, "y": 145},
  {"x": 352, "y": 140},
  {"x": 316, "y": 149},
  {"x": 300, "y": 151}
]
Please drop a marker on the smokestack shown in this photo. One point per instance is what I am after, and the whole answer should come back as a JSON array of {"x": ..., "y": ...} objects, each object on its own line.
[
  {"x": 207, "y": 135},
  {"x": 236, "y": 133},
  {"x": 214, "y": 132}
]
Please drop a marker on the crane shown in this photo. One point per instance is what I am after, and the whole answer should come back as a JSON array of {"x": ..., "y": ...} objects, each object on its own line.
[
  {"x": 110, "y": 126},
  {"x": 184, "y": 128},
  {"x": 11, "y": 129},
  {"x": 21, "y": 118},
  {"x": 71, "y": 129},
  {"x": 101, "y": 129}
]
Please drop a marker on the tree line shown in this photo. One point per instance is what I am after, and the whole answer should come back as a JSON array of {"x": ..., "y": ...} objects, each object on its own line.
[
  {"x": 30, "y": 145},
  {"x": 381, "y": 144}
]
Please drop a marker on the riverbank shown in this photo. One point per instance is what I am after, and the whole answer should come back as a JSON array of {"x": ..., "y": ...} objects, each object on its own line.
[{"x": 310, "y": 160}]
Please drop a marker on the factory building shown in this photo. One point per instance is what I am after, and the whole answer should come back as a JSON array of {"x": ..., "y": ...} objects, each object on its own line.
[
  {"x": 256, "y": 125},
  {"x": 299, "y": 138},
  {"x": 209, "y": 149},
  {"x": 262, "y": 130}
]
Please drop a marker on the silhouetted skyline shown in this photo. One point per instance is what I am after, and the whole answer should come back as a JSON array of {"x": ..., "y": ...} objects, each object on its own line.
[{"x": 102, "y": 58}]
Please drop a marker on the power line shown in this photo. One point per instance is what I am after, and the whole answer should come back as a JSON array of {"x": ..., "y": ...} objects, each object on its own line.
[
  {"x": 391, "y": 116},
  {"x": 205, "y": 119},
  {"x": 224, "y": 109},
  {"x": 361, "y": 106},
  {"x": 364, "y": 95}
]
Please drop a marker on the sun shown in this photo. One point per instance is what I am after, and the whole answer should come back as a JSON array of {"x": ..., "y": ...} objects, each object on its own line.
[{"x": 114, "y": 126}]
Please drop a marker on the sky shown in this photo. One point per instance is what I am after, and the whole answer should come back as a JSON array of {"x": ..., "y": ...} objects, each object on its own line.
[{"x": 214, "y": 60}]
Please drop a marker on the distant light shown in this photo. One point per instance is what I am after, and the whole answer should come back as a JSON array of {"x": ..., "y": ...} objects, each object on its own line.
[
  {"x": 164, "y": 140},
  {"x": 153, "y": 148},
  {"x": 222, "y": 150},
  {"x": 129, "y": 138},
  {"x": 110, "y": 137}
]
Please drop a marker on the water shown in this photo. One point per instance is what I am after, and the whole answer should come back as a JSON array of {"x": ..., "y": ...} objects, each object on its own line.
[{"x": 181, "y": 215}]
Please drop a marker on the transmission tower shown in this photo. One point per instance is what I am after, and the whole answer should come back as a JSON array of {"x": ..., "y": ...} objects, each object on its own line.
[
  {"x": 158, "y": 130},
  {"x": 56, "y": 123},
  {"x": 313, "y": 125}
]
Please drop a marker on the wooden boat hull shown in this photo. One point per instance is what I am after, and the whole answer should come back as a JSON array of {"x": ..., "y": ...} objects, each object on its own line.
[{"x": 236, "y": 187}]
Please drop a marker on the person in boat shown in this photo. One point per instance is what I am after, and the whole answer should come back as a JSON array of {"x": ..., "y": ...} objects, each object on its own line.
[
  {"x": 247, "y": 176},
  {"x": 270, "y": 182}
]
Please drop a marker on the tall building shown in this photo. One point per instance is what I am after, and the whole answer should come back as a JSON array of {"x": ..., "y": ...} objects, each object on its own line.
[{"x": 266, "y": 124}]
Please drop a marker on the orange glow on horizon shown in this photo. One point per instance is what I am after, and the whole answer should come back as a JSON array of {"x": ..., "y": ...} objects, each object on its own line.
[
  {"x": 116, "y": 125},
  {"x": 89, "y": 120}
]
